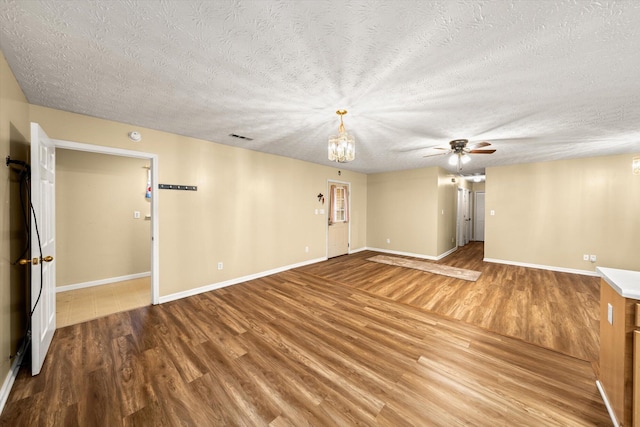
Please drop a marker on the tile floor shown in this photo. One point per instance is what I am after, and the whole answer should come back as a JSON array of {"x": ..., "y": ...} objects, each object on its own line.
[{"x": 85, "y": 304}]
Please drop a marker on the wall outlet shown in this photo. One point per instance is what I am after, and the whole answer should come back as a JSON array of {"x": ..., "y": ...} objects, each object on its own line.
[
  {"x": 220, "y": 266},
  {"x": 585, "y": 257},
  {"x": 592, "y": 258},
  {"x": 306, "y": 249},
  {"x": 388, "y": 240}
]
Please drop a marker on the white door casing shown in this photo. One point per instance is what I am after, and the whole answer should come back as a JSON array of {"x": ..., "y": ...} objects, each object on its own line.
[
  {"x": 478, "y": 227},
  {"x": 43, "y": 274}
]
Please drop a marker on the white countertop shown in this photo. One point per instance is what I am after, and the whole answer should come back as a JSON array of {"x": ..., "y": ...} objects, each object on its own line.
[{"x": 624, "y": 282}]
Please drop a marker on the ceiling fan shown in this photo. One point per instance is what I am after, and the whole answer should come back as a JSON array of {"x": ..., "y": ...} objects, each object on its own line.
[{"x": 460, "y": 152}]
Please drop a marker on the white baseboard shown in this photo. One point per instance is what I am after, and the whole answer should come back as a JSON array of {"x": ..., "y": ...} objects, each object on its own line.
[
  {"x": 446, "y": 254},
  {"x": 421, "y": 256},
  {"x": 66, "y": 288},
  {"x": 543, "y": 267},
  {"x": 606, "y": 403},
  {"x": 11, "y": 377},
  {"x": 213, "y": 286},
  {"x": 355, "y": 251}
]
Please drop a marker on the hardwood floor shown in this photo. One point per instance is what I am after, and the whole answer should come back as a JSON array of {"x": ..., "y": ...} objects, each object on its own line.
[
  {"x": 559, "y": 311},
  {"x": 301, "y": 348}
]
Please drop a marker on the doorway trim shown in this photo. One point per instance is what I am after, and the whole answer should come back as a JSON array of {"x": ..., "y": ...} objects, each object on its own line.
[
  {"x": 348, "y": 184},
  {"x": 155, "y": 234}
]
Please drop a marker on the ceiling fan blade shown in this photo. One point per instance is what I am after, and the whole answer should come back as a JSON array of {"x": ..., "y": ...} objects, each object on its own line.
[
  {"x": 479, "y": 145},
  {"x": 433, "y": 155},
  {"x": 482, "y": 151}
]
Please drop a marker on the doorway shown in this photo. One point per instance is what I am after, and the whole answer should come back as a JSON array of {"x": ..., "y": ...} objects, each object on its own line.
[
  {"x": 103, "y": 229},
  {"x": 152, "y": 160},
  {"x": 338, "y": 229}
]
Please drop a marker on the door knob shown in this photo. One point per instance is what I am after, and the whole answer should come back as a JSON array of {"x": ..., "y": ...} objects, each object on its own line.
[{"x": 35, "y": 261}]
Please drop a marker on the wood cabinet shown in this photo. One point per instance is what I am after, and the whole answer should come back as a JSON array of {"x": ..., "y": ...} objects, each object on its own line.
[
  {"x": 619, "y": 343},
  {"x": 636, "y": 376}
]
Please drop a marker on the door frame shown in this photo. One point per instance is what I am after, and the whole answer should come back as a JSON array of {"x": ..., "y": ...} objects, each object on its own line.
[
  {"x": 326, "y": 218},
  {"x": 155, "y": 229},
  {"x": 475, "y": 215}
]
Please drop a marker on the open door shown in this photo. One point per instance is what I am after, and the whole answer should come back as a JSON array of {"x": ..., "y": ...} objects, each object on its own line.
[{"x": 43, "y": 267}]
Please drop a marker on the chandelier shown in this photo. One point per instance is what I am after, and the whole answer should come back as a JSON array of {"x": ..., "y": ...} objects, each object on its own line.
[{"x": 342, "y": 148}]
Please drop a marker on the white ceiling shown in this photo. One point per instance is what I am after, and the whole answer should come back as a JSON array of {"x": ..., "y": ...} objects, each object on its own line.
[{"x": 540, "y": 80}]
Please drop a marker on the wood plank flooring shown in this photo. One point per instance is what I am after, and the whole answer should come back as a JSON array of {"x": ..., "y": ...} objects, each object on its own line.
[
  {"x": 297, "y": 349},
  {"x": 559, "y": 311}
]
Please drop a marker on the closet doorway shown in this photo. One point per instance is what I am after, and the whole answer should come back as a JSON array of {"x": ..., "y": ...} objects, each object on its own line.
[{"x": 103, "y": 233}]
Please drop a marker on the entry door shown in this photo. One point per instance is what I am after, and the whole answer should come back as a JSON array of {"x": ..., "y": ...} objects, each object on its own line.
[
  {"x": 338, "y": 220},
  {"x": 43, "y": 266},
  {"x": 478, "y": 227}
]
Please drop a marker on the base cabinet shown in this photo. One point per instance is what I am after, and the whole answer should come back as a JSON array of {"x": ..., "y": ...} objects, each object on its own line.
[{"x": 619, "y": 354}]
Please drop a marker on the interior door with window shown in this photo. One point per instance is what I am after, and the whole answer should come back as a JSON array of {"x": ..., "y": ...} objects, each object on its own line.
[
  {"x": 338, "y": 220},
  {"x": 43, "y": 267}
]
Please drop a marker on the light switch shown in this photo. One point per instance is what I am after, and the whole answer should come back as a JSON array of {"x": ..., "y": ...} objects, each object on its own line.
[
  {"x": 136, "y": 214},
  {"x": 492, "y": 213},
  {"x": 321, "y": 211}
]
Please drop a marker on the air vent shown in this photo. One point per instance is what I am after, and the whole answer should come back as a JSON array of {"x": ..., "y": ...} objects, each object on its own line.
[{"x": 240, "y": 136}]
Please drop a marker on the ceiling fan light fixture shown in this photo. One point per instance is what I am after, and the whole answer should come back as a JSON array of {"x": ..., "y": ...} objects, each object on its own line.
[
  {"x": 342, "y": 147},
  {"x": 464, "y": 158}
]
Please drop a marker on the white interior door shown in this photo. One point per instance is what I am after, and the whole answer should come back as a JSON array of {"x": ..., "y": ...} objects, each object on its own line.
[
  {"x": 463, "y": 222},
  {"x": 478, "y": 227},
  {"x": 43, "y": 266},
  {"x": 338, "y": 220}
]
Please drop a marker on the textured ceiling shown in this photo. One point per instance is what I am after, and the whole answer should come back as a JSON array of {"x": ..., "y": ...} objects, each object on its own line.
[{"x": 540, "y": 80}]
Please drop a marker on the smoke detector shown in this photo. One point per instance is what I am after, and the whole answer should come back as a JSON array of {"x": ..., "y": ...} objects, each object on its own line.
[{"x": 135, "y": 136}]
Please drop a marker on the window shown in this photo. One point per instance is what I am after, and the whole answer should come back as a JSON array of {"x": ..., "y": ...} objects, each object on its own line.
[{"x": 338, "y": 204}]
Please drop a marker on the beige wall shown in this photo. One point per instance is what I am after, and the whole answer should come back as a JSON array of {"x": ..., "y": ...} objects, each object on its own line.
[
  {"x": 552, "y": 213},
  {"x": 252, "y": 211},
  {"x": 14, "y": 134},
  {"x": 97, "y": 236},
  {"x": 406, "y": 207}
]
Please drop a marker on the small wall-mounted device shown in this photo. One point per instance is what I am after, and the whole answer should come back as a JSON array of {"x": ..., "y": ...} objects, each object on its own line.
[{"x": 135, "y": 136}]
